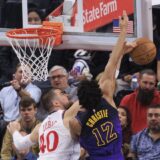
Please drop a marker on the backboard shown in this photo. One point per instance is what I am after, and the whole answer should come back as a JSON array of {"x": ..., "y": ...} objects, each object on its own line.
[{"x": 93, "y": 24}]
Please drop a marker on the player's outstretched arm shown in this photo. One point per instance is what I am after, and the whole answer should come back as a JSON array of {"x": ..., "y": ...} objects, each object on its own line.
[
  {"x": 107, "y": 81},
  {"x": 71, "y": 113},
  {"x": 22, "y": 142}
]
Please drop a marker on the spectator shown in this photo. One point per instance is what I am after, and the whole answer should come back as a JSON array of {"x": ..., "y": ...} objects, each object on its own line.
[
  {"x": 125, "y": 121},
  {"x": 11, "y": 95},
  {"x": 138, "y": 101},
  {"x": 28, "y": 121},
  {"x": 80, "y": 70},
  {"x": 59, "y": 80},
  {"x": 127, "y": 73},
  {"x": 145, "y": 145},
  {"x": 35, "y": 16}
]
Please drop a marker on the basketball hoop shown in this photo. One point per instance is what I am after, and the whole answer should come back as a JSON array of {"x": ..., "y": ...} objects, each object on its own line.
[{"x": 33, "y": 48}]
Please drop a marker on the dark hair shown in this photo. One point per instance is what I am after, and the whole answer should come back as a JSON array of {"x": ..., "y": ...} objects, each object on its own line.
[
  {"x": 154, "y": 106},
  {"x": 147, "y": 71},
  {"x": 47, "y": 99},
  {"x": 89, "y": 94},
  {"x": 126, "y": 131},
  {"x": 128, "y": 116},
  {"x": 38, "y": 11},
  {"x": 27, "y": 101},
  {"x": 16, "y": 68}
]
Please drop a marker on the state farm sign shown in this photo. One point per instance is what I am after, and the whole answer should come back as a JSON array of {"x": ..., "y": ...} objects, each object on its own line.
[{"x": 97, "y": 13}]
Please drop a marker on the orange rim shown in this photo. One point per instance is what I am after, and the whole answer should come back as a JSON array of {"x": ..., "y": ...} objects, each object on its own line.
[{"x": 36, "y": 33}]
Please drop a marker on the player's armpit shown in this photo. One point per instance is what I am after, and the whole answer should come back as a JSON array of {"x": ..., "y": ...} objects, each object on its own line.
[
  {"x": 71, "y": 112},
  {"x": 75, "y": 128}
]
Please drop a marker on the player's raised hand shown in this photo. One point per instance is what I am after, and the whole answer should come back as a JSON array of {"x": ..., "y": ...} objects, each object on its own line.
[
  {"x": 129, "y": 46},
  {"x": 123, "y": 20},
  {"x": 13, "y": 126}
]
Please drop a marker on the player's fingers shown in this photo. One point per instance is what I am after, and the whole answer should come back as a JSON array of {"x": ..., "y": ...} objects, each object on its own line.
[{"x": 124, "y": 13}]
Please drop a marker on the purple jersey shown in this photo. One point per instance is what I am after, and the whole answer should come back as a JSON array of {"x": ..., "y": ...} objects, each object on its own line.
[{"x": 101, "y": 133}]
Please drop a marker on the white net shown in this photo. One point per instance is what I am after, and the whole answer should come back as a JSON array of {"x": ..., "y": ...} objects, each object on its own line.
[{"x": 33, "y": 54}]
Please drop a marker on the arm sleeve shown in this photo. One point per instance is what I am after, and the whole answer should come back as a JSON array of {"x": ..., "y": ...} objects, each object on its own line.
[{"x": 22, "y": 142}]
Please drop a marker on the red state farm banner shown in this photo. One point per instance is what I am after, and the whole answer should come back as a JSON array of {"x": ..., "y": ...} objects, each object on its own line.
[{"x": 97, "y": 13}]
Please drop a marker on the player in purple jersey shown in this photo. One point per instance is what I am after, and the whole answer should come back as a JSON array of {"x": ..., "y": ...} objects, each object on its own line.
[{"x": 97, "y": 124}]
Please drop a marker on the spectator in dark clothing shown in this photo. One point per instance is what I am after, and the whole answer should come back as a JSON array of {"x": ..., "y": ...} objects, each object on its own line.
[
  {"x": 35, "y": 16},
  {"x": 125, "y": 121}
]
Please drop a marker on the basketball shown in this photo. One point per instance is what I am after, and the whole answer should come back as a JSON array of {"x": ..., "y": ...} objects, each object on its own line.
[{"x": 144, "y": 53}]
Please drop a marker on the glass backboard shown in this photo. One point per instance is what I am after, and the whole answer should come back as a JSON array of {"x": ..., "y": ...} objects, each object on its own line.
[{"x": 89, "y": 24}]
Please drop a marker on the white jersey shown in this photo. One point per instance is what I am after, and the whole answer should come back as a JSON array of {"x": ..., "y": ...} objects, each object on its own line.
[{"x": 55, "y": 141}]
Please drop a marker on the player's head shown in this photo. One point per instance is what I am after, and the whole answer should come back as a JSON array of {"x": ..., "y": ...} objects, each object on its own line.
[
  {"x": 55, "y": 99},
  {"x": 89, "y": 94},
  {"x": 147, "y": 82}
]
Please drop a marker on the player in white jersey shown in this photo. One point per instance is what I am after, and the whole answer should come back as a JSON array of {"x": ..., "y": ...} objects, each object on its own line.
[
  {"x": 55, "y": 139},
  {"x": 53, "y": 134}
]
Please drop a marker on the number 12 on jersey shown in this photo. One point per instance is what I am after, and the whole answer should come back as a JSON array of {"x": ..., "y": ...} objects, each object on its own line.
[{"x": 107, "y": 128}]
